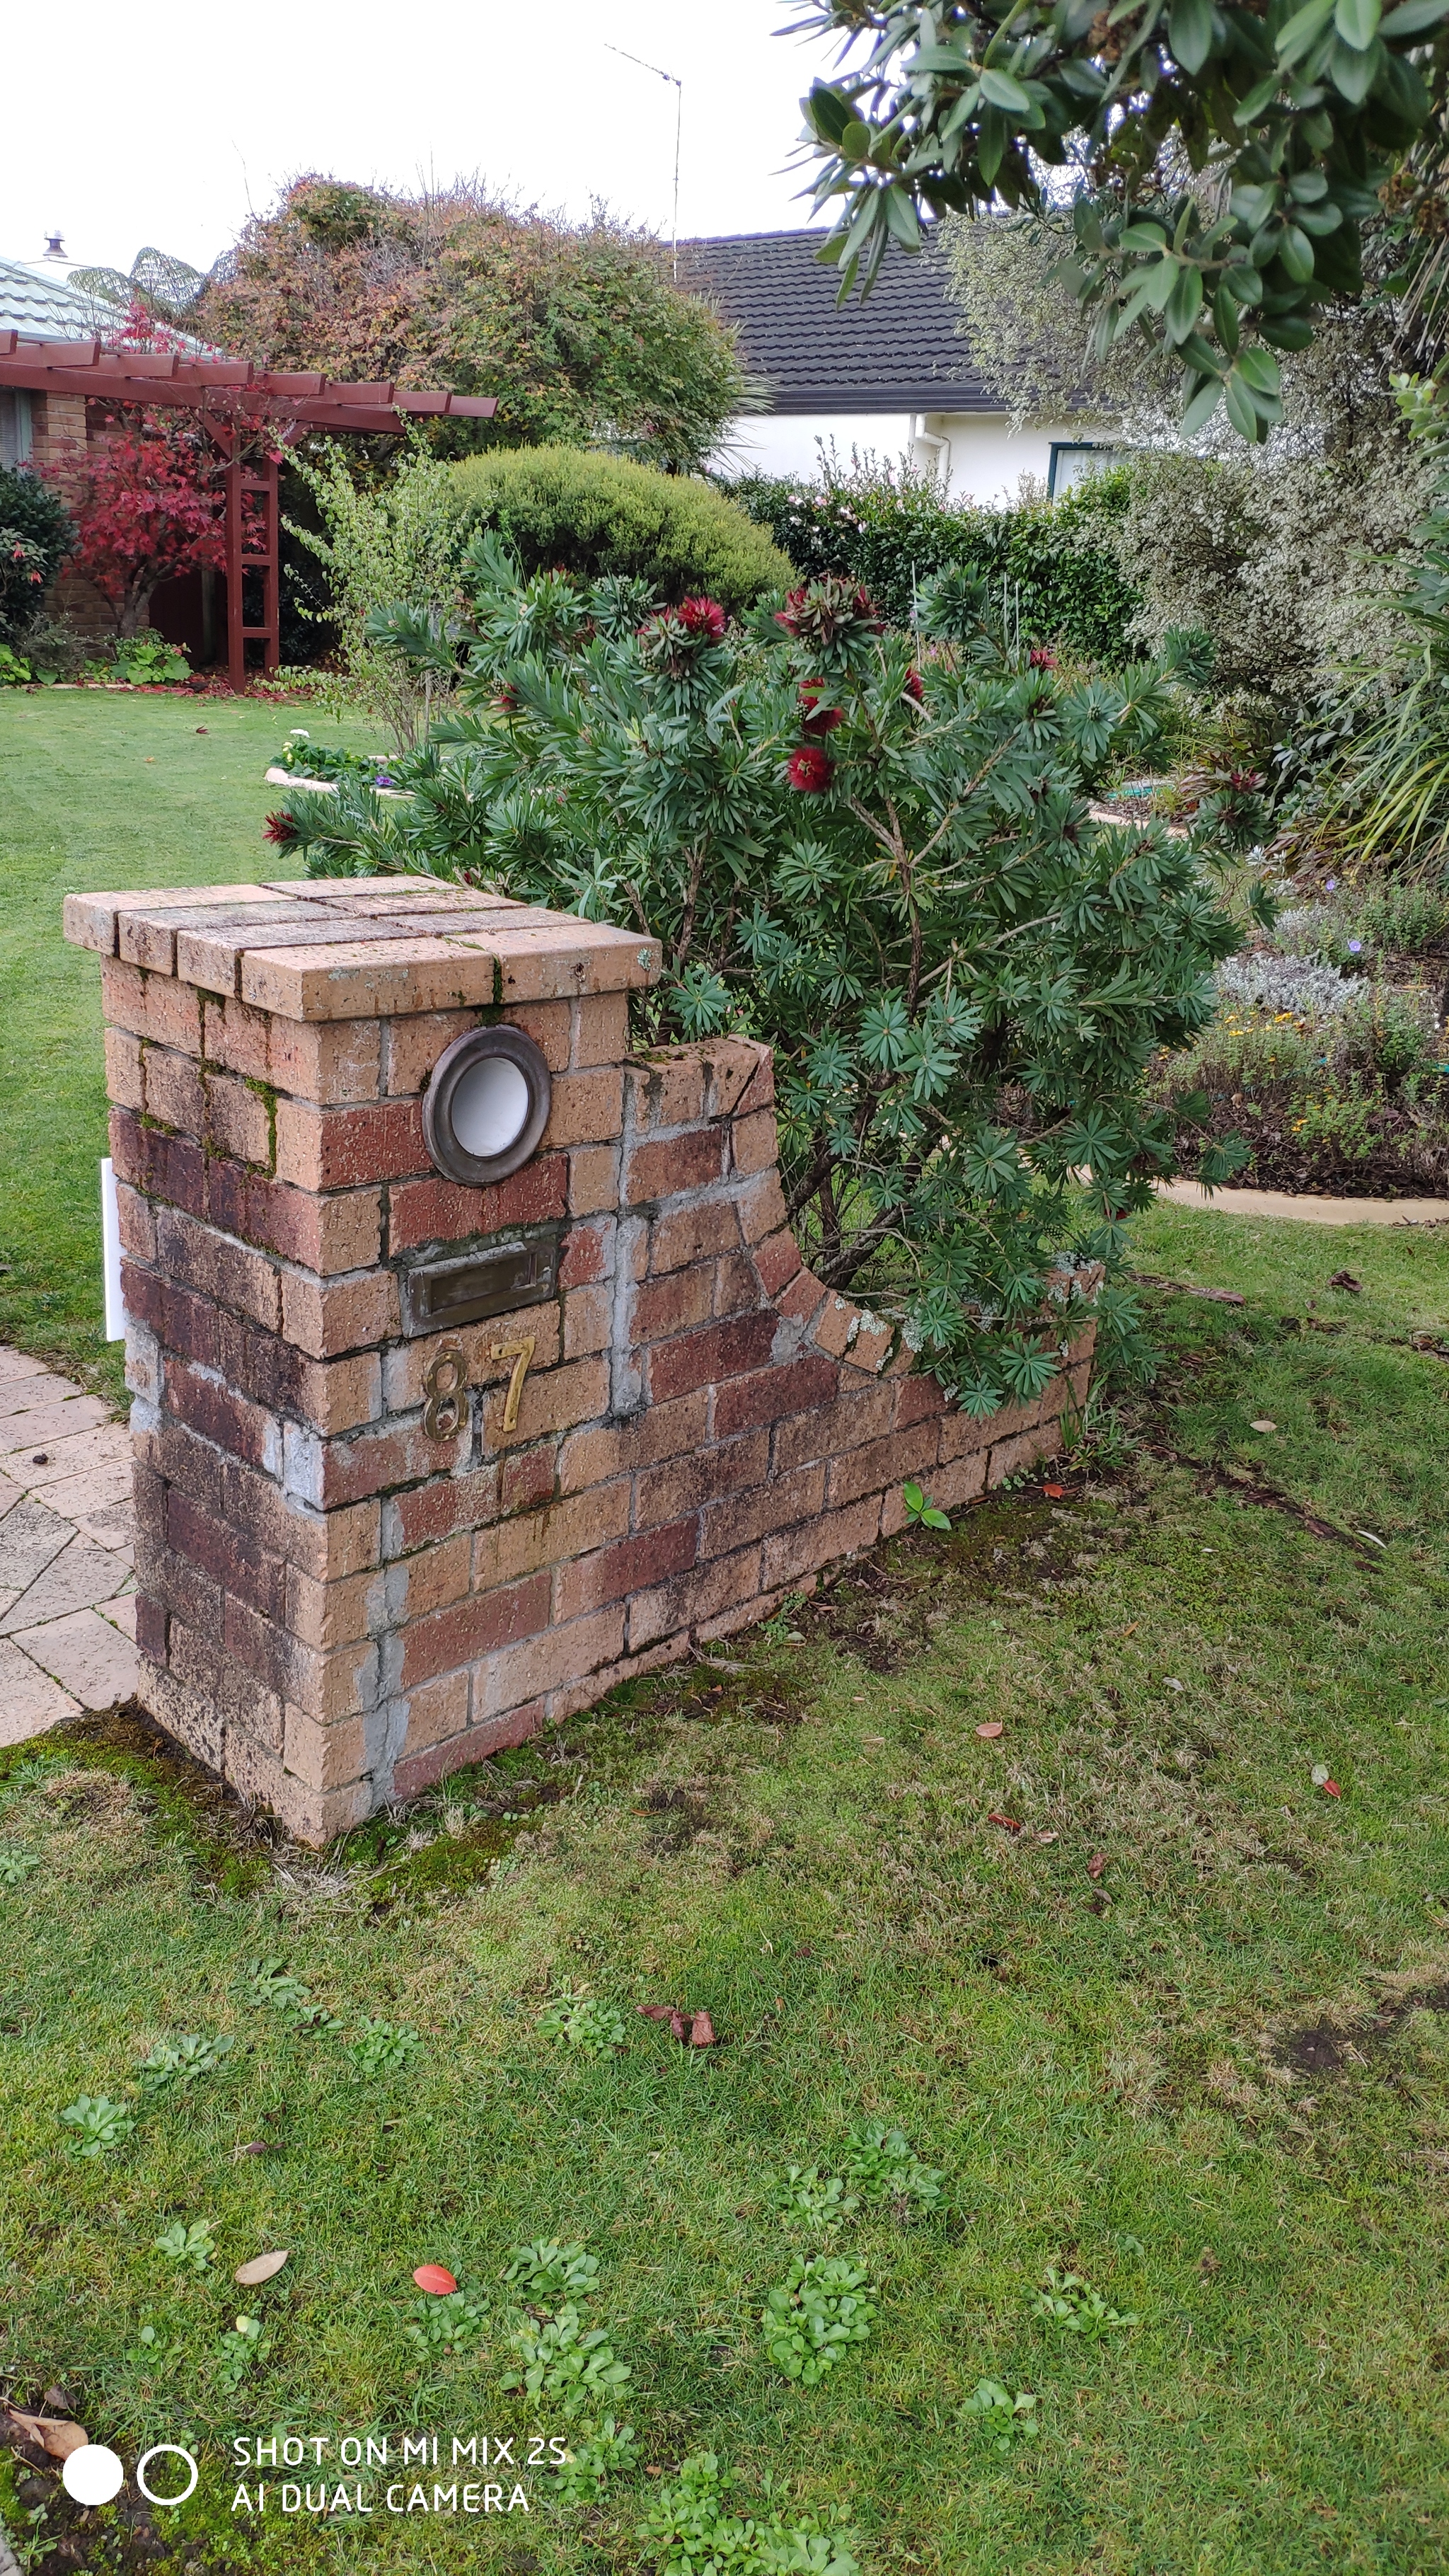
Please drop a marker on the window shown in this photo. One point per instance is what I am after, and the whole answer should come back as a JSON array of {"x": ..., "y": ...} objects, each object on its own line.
[
  {"x": 1073, "y": 462},
  {"x": 14, "y": 427}
]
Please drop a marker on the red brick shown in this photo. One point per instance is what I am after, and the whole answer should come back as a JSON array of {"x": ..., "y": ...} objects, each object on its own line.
[
  {"x": 173, "y": 1090},
  {"x": 226, "y": 1555},
  {"x": 593, "y": 1456},
  {"x": 326, "y": 1317},
  {"x": 230, "y": 1421},
  {"x": 775, "y": 1506},
  {"x": 816, "y": 1543},
  {"x": 762, "y": 1209},
  {"x": 125, "y": 1080},
  {"x": 878, "y": 1463},
  {"x": 527, "y": 1477},
  {"x": 151, "y": 1623},
  {"x": 513, "y": 1548},
  {"x": 759, "y": 1091},
  {"x": 678, "y": 1485},
  {"x": 415, "y": 1044},
  {"x": 326, "y": 1060},
  {"x": 335, "y": 1149},
  {"x": 917, "y": 1396},
  {"x": 667, "y": 1089},
  {"x": 614, "y": 1572},
  {"x": 135, "y": 1223},
  {"x": 164, "y": 1166},
  {"x": 836, "y": 1326},
  {"x": 601, "y": 1028},
  {"x": 703, "y": 1358},
  {"x": 551, "y": 1027},
  {"x": 237, "y": 1120},
  {"x": 961, "y": 1432},
  {"x": 408, "y": 1362},
  {"x": 438, "y": 1211},
  {"x": 584, "y": 1255},
  {"x": 334, "y": 1613},
  {"x": 1008, "y": 1457},
  {"x": 326, "y": 1757},
  {"x": 862, "y": 1413},
  {"x": 704, "y": 1593},
  {"x": 431, "y": 1579},
  {"x": 961, "y": 1482},
  {"x": 801, "y": 1298},
  {"x": 477, "y": 1626},
  {"x": 432, "y": 1512},
  {"x": 559, "y": 1656},
  {"x": 736, "y": 1287},
  {"x": 372, "y": 1461},
  {"x": 732, "y": 1066},
  {"x": 235, "y": 1036},
  {"x": 197, "y": 1257},
  {"x": 871, "y": 1347},
  {"x": 753, "y": 1146},
  {"x": 673, "y": 1304},
  {"x": 328, "y": 1235},
  {"x": 417, "y": 1772},
  {"x": 677, "y": 1163},
  {"x": 795, "y": 1387},
  {"x": 586, "y": 1109},
  {"x": 151, "y": 1006},
  {"x": 532, "y": 1196},
  {"x": 588, "y": 1322},
  {"x": 553, "y": 1400},
  {"x": 332, "y": 1546},
  {"x": 593, "y": 1179},
  {"x": 436, "y": 1710},
  {"x": 692, "y": 1234},
  {"x": 776, "y": 1263}
]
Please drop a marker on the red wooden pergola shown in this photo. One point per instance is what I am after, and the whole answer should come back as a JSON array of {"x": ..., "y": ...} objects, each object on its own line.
[{"x": 230, "y": 396}]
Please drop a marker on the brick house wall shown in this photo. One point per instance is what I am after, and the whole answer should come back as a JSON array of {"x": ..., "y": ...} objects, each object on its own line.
[{"x": 336, "y": 1608}]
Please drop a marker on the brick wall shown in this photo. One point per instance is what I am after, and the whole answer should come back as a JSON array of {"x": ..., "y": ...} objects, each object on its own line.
[{"x": 337, "y": 1608}]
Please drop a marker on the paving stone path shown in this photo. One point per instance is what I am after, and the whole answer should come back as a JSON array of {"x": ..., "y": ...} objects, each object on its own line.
[{"x": 67, "y": 1599}]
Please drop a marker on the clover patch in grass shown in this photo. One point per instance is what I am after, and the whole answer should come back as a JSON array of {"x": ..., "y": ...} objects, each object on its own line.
[
  {"x": 546, "y": 2275},
  {"x": 241, "y": 2348},
  {"x": 456, "y": 2323},
  {"x": 599, "y": 2451},
  {"x": 383, "y": 2048},
  {"x": 1006, "y": 2417},
  {"x": 564, "y": 2363},
  {"x": 189, "y": 2248},
  {"x": 824, "y": 2305},
  {"x": 882, "y": 2165},
  {"x": 689, "y": 2531},
  {"x": 176, "y": 2064}
]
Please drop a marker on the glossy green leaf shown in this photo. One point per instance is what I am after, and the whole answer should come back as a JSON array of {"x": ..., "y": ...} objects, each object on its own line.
[
  {"x": 1225, "y": 319},
  {"x": 1412, "y": 19},
  {"x": 1295, "y": 250},
  {"x": 855, "y": 142},
  {"x": 1007, "y": 93},
  {"x": 1241, "y": 411},
  {"x": 1353, "y": 73},
  {"x": 1356, "y": 22},
  {"x": 1259, "y": 369},
  {"x": 1201, "y": 408},
  {"x": 1184, "y": 303},
  {"x": 1304, "y": 29},
  {"x": 1190, "y": 32},
  {"x": 1260, "y": 97}
]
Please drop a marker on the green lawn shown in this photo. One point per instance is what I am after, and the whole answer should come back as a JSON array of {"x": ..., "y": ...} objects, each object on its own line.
[
  {"x": 1184, "y": 2035},
  {"x": 98, "y": 790}
]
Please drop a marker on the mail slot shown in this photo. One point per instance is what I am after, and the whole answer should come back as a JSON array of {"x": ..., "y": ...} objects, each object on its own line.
[{"x": 471, "y": 1285}]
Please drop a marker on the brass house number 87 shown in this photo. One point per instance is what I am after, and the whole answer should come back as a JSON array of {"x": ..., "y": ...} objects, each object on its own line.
[{"x": 446, "y": 1375}]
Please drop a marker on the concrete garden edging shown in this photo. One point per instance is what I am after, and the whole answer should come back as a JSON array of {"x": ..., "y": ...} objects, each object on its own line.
[{"x": 1305, "y": 1210}]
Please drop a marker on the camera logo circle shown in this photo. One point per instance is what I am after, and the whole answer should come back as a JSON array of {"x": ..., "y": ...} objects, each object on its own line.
[
  {"x": 157, "y": 2451},
  {"x": 92, "y": 2474}
]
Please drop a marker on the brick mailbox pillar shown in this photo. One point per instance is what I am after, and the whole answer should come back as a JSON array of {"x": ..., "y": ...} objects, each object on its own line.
[{"x": 423, "y": 1463}]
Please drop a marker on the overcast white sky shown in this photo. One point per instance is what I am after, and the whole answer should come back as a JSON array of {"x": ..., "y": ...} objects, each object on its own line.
[{"x": 171, "y": 121}]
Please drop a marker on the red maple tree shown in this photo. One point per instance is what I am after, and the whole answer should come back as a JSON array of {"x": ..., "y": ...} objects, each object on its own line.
[{"x": 151, "y": 504}]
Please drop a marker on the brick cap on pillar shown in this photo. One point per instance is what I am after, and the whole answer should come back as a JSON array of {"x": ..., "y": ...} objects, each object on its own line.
[{"x": 342, "y": 949}]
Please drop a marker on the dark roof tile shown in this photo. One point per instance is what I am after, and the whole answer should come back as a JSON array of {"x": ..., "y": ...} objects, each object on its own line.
[{"x": 896, "y": 349}]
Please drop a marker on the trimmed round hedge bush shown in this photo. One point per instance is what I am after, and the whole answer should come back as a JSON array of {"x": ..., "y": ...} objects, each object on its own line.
[{"x": 589, "y": 514}]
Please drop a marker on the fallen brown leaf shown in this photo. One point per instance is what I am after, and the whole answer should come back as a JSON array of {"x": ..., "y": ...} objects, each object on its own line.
[
  {"x": 1011, "y": 1823},
  {"x": 58, "y": 2439},
  {"x": 262, "y": 2267},
  {"x": 253, "y": 2147},
  {"x": 992, "y": 1728},
  {"x": 701, "y": 2031},
  {"x": 1096, "y": 1864},
  {"x": 1346, "y": 1279}
]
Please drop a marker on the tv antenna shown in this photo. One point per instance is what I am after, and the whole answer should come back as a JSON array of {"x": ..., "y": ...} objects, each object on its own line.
[{"x": 678, "y": 88}]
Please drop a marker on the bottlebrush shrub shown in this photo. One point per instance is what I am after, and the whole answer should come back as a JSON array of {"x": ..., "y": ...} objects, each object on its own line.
[{"x": 964, "y": 978}]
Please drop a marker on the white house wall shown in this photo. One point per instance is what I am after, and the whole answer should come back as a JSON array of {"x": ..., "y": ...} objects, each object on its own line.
[{"x": 979, "y": 456}]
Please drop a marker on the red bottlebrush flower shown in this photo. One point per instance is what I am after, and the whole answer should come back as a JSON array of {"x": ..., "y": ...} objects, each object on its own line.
[
  {"x": 1042, "y": 658},
  {"x": 914, "y": 686},
  {"x": 815, "y": 718},
  {"x": 703, "y": 617},
  {"x": 810, "y": 769},
  {"x": 506, "y": 702},
  {"x": 278, "y": 828}
]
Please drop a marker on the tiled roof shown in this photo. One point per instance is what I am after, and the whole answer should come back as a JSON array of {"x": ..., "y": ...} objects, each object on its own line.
[
  {"x": 896, "y": 349},
  {"x": 41, "y": 304}
]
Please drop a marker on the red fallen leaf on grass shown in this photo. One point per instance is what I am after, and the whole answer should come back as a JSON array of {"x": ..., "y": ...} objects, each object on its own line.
[
  {"x": 670, "y": 2013},
  {"x": 1012, "y": 1823},
  {"x": 1096, "y": 1864},
  {"x": 694, "y": 2028},
  {"x": 435, "y": 2279},
  {"x": 993, "y": 1727},
  {"x": 701, "y": 2031},
  {"x": 1331, "y": 1789},
  {"x": 1054, "y": 1493}
]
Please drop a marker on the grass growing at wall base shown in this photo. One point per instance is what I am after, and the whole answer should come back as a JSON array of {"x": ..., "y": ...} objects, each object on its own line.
[{"x": 1182, "y": 2035}]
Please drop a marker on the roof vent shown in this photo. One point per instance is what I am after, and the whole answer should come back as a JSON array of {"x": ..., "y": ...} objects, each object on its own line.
[{"x": 55, "y": 248}]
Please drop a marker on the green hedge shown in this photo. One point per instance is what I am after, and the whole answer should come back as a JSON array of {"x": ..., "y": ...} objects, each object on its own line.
[
  {"x": 891, "y": 533},
  {"x": 589, "y": 514}
]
